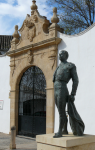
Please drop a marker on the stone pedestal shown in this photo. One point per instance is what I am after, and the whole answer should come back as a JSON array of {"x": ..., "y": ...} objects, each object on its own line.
[{"x": 67, "y": 142}]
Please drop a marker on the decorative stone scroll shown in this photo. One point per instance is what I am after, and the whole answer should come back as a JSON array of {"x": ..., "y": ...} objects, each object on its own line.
[
  {"x": 28, "y": 24},
  {"x": 12, "y": 65},
  {"x": 53, "y": 55}
]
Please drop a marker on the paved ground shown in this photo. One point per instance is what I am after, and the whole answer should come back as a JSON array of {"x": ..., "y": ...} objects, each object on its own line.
[{"x": 22, "y": 143}]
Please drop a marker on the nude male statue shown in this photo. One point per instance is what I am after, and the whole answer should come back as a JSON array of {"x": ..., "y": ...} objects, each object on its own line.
[{"x": 64, "y": 72}]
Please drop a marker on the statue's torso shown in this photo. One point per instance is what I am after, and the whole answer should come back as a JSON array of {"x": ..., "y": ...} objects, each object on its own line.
[{"x": 63, "y": 72}]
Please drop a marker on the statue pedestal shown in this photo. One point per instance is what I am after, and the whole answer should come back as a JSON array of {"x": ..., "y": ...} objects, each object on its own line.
[{"x": 67, "y": 142}]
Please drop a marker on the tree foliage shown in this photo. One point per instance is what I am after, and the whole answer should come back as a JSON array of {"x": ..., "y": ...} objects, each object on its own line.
[{"x": 75, "y": 15}]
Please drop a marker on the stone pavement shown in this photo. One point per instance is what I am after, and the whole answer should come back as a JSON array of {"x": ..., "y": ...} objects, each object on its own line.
[{"x": 22, "y": 142}]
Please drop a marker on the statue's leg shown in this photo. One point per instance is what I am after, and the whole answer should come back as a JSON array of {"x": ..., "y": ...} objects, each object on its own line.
[
  {"x": 64, "y": 130},
  {"x": 61, "y": 104}
]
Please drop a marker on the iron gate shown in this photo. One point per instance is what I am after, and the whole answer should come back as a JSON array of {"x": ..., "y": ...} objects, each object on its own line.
[{"x": 32, "y": 103}]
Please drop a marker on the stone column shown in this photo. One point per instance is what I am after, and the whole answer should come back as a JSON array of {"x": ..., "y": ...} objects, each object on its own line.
[
  {"x": 14, "y": 110},
  {"x": 50, "y": 109}
]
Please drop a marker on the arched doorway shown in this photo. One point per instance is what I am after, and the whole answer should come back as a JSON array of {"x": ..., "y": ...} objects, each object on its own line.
[{"x": 32, "y": 103}]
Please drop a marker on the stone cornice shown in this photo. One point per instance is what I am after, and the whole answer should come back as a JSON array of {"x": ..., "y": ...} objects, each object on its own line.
[{"x": 36, "y": 46}]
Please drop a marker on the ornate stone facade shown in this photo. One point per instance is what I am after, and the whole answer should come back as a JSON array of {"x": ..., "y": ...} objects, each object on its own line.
[{"x": 37, "y": 46}]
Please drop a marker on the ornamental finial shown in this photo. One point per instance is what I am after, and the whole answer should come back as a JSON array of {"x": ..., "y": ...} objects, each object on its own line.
[
  {"x": 16, "y": 34},
  {"x": 54, "y": 19},
  {"x": 34, "y": 6}
]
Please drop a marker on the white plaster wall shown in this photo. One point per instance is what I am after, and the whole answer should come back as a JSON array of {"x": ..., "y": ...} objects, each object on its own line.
[
  {"x": 81, "y": 50},
  {"x": 4, "y": 94}
]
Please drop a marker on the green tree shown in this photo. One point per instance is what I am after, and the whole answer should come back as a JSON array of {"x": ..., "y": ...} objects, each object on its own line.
[{"x": 74, "y": 15}]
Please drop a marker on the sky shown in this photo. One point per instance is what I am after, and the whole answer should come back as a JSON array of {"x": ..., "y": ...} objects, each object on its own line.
[{"x": 14, "y": 12}]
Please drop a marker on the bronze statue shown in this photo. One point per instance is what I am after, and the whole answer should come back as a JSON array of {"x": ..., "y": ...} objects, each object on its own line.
[{"x": 64, "y": 72}]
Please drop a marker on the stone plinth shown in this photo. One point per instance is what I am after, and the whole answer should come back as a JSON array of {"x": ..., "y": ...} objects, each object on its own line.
[{"x": 67, "y": 142}]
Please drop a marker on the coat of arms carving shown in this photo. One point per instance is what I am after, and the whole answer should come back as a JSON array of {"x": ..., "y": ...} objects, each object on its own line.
[
  {"x": 31, "y": 30},
  {"x": 31, "y": 33}
]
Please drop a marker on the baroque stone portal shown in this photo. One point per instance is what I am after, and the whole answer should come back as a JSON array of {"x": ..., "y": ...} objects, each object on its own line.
[
  {"x": 34, "y": 44},
  {"x": 64, "y": 72}
]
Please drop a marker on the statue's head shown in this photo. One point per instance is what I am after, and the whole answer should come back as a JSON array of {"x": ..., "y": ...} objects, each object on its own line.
[{"x": 63, "y": 55}]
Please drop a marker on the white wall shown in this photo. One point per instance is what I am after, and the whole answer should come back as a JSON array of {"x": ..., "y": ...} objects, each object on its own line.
[
  {"x": 4, "y": 94},
  {"x": 81, "y": 50}
]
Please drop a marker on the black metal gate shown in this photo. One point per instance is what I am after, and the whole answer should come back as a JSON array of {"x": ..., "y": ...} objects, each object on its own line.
[{"x": 32, "y": 103}]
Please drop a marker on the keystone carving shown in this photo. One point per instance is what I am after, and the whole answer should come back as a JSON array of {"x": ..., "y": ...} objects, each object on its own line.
[{"x": 30, "y": 56}]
